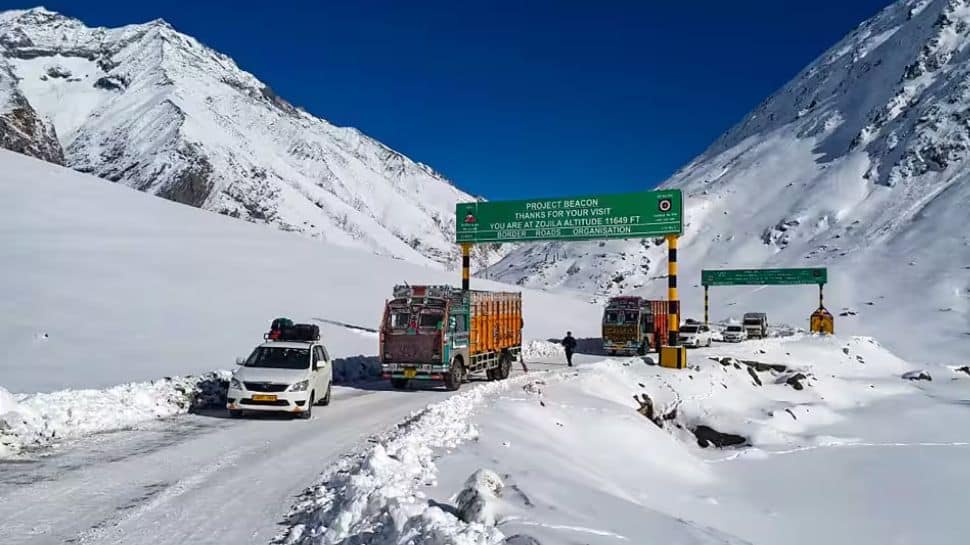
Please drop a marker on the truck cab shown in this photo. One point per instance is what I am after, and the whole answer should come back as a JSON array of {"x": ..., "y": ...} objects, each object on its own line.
[
  {"x": 282, "y": 376},
  {"x": 755, "y": 325},
  {"x": 440, "y": 333},
  {"x": 633, "y": 325}
]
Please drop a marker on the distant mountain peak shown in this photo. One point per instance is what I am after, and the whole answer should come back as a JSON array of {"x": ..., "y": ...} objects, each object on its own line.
[
  {"x": 862, "y": 158},
  {"x": 152, "y": 108}
]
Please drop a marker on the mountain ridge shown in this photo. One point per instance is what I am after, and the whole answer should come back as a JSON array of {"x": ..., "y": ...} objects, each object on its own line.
[{"x": 150, "y": 107}]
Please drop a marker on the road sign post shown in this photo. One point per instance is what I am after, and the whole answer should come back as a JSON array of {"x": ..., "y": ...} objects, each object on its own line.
[
  {"x": 644, "y": 214},
  {"x": 821, "y": 321}
]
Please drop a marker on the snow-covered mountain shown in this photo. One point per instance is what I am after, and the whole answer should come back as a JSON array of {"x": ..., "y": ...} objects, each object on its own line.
[
  {"x": 149, "y": 107},
  {"x": 860, "y": 163}
]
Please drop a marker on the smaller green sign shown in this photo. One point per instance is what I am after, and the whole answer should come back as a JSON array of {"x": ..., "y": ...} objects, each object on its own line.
[{"x": 764, "y": 277}]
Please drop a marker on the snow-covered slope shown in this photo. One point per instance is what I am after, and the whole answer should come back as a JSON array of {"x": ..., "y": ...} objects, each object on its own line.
[
  {"x": 154, "y": 109},
  {"x": 823, "y": 427},
  {"x": 104, "y": 285},
  {"x": 858, "y": 164}
]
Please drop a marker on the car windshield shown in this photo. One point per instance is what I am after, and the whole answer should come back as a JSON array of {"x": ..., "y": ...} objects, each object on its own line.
[
  {"x": 688, "y": 329},
  {"x": 277, "y": 357},
  {"x": 734, "y": 328}
]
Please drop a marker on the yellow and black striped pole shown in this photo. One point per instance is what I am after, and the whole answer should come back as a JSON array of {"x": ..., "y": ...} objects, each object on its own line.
[
  {"x": 821, "y": 299},
  {"x": 673, "y": 300},
  {"x": 707, "y": 306},
  {"x": 466, "y": 251}
]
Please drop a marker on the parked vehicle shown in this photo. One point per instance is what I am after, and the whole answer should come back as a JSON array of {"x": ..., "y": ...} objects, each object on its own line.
[
  {"x": 756, "y": 325},
  {"x": 734, "y": 333},
  {"x": 634, "y": 325},
  {"x": 694, "y": 335},
  {"x": 444, "y": 333},
  {"x": 291, "y": 374}
]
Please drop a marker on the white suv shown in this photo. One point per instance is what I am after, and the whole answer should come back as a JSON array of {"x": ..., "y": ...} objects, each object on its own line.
[
  {"x": 282, "y": 376},
  {"x": 734, "y": 333},
  {"x": 695, "y": 335}
]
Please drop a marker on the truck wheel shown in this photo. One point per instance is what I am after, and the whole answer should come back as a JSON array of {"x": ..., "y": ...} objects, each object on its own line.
[
  {"x": 612, "y": 352},
  {"x": 399, "y": 383},
  {"x": 642, "y": 351},
  {"x": 455, "y": 375},
  {"x": 493, "y": 373},
  {"x": 504, "y": 367},
  {"x": 326, "y": 399},
  {"x": 235, "y": 413}
]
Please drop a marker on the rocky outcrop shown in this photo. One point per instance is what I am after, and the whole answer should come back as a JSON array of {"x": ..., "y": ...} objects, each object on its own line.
[{"x": 21, "y": 128}]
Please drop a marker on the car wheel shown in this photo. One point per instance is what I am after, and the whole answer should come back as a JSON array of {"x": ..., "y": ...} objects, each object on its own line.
[
  {"x": 326, "y": 399},
  {"x": 308, "y": 413}
]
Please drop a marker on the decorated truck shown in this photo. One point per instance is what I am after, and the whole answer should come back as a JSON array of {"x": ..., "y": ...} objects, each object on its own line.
[
  {"x": 441, "y": 333},
  {"x": 634, "y": 325}
]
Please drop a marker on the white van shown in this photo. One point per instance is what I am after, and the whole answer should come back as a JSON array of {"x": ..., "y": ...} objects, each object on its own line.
[{"x": 282, "y": 376}]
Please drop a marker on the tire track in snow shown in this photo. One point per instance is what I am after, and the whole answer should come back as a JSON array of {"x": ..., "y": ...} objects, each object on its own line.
[{"x": 157, "y": 497}]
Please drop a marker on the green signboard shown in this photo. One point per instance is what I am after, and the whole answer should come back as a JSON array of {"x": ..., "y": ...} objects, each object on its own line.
[
  {"x": 628, "y": 215},
  {"x": 762, "y": 277}
]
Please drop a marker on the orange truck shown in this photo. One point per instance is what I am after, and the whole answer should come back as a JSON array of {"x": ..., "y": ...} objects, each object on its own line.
[
  {"x": 441, "y": 333},
  {"x": 634, "y": 325}
]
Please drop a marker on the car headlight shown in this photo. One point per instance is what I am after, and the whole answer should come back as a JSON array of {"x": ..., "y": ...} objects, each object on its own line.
[
  {"x": 299, "y": 386},
  {"x": 235, "y": 384}
]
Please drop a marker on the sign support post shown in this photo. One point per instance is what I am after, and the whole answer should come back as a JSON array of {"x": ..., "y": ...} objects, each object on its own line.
[
  {"x": 707, "y": 306},
  {"x": 466, "y": 258},
  {"x": 673, "y": 355}
]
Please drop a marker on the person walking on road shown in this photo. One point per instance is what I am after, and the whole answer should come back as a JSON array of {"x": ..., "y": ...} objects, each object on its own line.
[{"x": 569, "y": 343}]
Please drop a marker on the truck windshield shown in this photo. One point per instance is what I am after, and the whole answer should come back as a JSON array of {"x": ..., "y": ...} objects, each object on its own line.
[
  {"x": 279, "y": 358},
  {"x": 430, "y": 319},
  {"x": 752, "y": 321},
  {"x": 399, "y": 320},
  {"x": 628, "y": 317}
]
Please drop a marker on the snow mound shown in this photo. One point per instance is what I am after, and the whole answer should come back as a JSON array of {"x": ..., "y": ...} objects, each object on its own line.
[
  {"x": 32, "y": 421},
  {"x": 375, "y": 495},
  {"x": 477, "y": 501},
  {"x": 542, "y": 350},
  {"x": 580, "y": 464}
]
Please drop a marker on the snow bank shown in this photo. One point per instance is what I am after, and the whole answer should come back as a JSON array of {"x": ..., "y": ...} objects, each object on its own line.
[
  {"x": 376, "y": 495},
  {"x": 581, "y": 464},
  {"x": 29, "y": 422},
  {"x": 542, "y": 350}
]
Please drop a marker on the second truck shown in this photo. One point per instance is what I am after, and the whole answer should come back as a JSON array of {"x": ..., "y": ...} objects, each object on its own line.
[
  {"x": 634, "y": 325},
  {"x": 441, "y": 333}
]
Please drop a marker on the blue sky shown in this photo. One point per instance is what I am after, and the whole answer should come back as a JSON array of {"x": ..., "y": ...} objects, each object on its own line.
[{"x": 517, "y": 98}]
